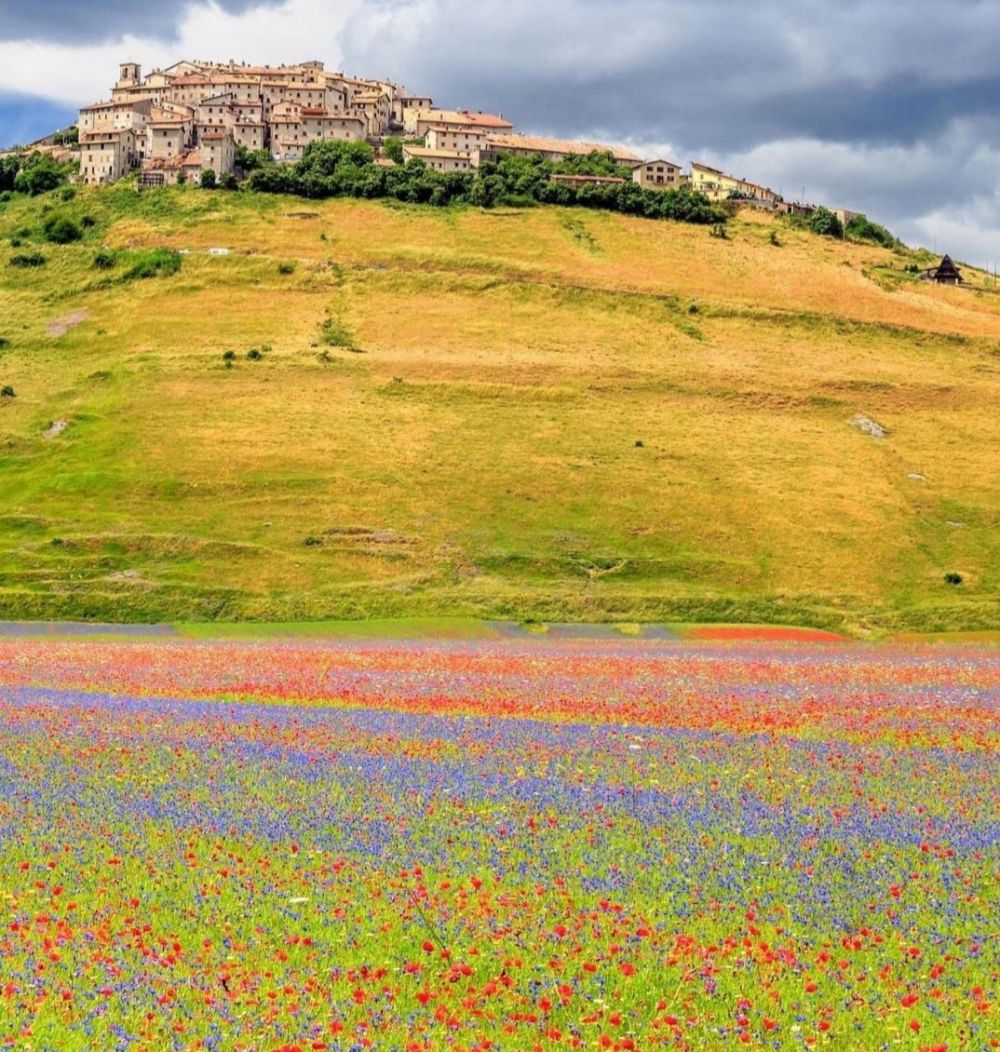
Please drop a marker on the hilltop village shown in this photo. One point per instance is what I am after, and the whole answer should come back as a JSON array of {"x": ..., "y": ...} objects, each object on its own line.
[{"x": 174, "y": 124}]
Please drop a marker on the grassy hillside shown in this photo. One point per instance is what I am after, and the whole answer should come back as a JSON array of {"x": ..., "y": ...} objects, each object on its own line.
[{"x": 540, "y": 413}]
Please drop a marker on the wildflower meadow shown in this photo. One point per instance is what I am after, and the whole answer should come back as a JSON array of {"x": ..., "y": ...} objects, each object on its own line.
[{"x": 498, "y": 844}]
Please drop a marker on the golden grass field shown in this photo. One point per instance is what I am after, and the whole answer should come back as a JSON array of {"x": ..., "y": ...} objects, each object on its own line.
[{"x": 477, "y": 453}]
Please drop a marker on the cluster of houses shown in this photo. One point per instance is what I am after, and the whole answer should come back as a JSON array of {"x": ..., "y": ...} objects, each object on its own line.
[{"x": 175, "y": 124}]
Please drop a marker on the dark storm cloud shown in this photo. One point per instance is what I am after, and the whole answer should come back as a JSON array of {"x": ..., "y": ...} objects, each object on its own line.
[
  {"x": 884, "y": 105},
  {"x": 714, "y": 74},
  {"x": 89, "y": 21}
]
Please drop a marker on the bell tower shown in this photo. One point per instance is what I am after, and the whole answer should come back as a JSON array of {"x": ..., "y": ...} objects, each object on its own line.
[{"x": 130, "y": 75}]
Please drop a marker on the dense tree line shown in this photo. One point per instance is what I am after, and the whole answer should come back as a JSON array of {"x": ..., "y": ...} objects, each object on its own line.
[{"x": 348, "y": 169}]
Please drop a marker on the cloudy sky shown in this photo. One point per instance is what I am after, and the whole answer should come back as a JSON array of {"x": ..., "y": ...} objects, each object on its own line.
[{"x": 888, "y": 106}]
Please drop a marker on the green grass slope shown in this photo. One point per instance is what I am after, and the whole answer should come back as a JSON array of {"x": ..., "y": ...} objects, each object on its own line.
[{"x": 520, "y": 413}]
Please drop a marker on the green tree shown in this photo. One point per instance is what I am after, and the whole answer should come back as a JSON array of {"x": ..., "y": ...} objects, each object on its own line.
[
  {"x": 9, "y": 167},
  {"x": 61, "y": 230},
  {"x": 251, "y": 160},
  {"x": 824, "y": 222},
  {"x": 861, "y": 228},
  {"x": 208, "y": 180},
  {"x": 39, "y": 173},
  {"x": 393, "y": 149}
]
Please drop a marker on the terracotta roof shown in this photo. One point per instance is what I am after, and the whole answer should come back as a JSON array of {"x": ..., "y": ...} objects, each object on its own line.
[
  {"x": 477, "y": 120},
  {"x": 659, "y": 160},
  {"x": 538, "y": 144}
]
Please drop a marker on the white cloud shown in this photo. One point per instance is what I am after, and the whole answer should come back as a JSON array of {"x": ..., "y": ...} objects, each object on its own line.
[
  {"x": 75, "y": 74},
  {"x": 878, "y": 105}
]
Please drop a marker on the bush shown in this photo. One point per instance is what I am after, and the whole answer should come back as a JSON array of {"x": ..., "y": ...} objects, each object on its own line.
[
  {"x": 393, "y": 149},
  {"x": 7, "y": 391},
  {"x": 861, "y": 228},
  {"x": 27, "y": 259},
  {"x": 208, "y": 180},
  {"x": 286, "y": 268},
  {"x": 255, "y": 354},
  {"x": 38, "y": 174},
  {"x": 61, "y": 230},
  {"x": 334, "y": 333},
  {"x": 825, "y": 223},
  {"x": 953, "y": 578},
  {"x": 774, "y": 239},
  {"x": 105, "y": 260},
  {"x": 154, "y": 262},
  {"x": 229, "y": 182},
  {"x": 229, "y": 356},
  {"x": 4, "y": 343},
  {"x": 250, "y": 160}
]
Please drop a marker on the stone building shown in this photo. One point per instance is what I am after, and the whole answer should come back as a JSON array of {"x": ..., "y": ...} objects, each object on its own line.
[{"x": 659, "y": 175}]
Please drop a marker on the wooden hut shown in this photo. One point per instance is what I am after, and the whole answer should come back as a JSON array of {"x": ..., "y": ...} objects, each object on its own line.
[{"x": 945, "y": 273}]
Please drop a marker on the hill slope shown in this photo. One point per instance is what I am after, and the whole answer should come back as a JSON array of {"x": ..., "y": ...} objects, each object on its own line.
[{"x": 478, "y": 450}]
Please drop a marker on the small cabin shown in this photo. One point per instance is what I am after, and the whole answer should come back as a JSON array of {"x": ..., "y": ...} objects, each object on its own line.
[{"x": 945, "y": 273}]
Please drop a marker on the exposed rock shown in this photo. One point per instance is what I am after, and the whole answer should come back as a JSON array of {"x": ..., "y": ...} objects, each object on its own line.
[{"x": 868, "y": 426}]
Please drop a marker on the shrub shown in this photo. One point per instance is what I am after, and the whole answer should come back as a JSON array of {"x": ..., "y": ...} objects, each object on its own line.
[
  {"x": 7, "y": 391},
  {"x": 861, "y": 228},
  {"x": 38, "y": 174},
  {"x": 88, "y": 222},
  {"x": 825, "y": 223},
  {"x": 312, "y": 542},
  {"x": 229, "y": 356},
  {"x": 334, "y": 333},
  {"x": 393, "y": 149},
  {"x": 774, "y": 239},
  {"x": 4, "y": 343},
  {"x": 229, "y": 182},
  {"x": 286, "y": 268},
  {"x": 61, "y": 230},
  {"x": 154, "y": 262},
  {"x": 953, "y": 578},
  {"x": 27, "y": 259},
  {"x": 68, "y": 193},
  {"x": 208, "y": 180},
  {"x": 254, "y": 354},
  {"x": 105, "y": 260}
]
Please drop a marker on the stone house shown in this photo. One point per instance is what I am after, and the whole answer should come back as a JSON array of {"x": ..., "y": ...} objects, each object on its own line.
[
  {"x": 716, "y": 185},
  {"x": 440, "y": 160},
  {"x": 552, "y": 149},
  {"x": 251, "y": 135},
  {"x": 659, "y": 175},
  {"x": 107, "y": 155},
  {"x": 418, "y": 122},
  {"x": 218, "y": 152},
  {"x": 445, "y": 137}
]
